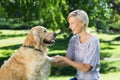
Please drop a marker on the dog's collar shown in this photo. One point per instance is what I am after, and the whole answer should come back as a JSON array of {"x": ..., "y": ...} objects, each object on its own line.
[{"x": 32, "y": 47}]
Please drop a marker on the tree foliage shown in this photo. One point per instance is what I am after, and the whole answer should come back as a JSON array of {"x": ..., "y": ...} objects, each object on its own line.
[{"x": 53, "y": 13}]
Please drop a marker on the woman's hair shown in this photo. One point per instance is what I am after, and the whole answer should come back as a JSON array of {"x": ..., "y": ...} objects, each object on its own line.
[{"x": 81, "y": 15}]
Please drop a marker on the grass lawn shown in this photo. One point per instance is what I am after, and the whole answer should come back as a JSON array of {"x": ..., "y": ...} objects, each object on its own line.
[
  {"x": 11, "y": 40},
  {"x": 108, "y": 76}
]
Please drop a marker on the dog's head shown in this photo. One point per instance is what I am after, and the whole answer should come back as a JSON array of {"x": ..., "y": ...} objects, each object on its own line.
[{"x": 40, "y": 36}]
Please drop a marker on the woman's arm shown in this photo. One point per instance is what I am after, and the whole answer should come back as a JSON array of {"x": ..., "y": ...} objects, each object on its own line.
[{"x": 80, "y": 66}]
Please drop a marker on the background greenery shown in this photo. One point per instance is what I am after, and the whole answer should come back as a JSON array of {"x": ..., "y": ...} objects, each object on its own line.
[
  {"x": 24, "y": 14},
  {"x": 18, "y": 16}
]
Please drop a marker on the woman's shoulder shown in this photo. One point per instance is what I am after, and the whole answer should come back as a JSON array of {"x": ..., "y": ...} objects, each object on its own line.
[
  {"x": 74, "y": 37},
  {"x": 94, "y": 40}
]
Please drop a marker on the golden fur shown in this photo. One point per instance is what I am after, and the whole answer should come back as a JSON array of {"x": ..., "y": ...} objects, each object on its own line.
[{"x": 30, "y": 62}]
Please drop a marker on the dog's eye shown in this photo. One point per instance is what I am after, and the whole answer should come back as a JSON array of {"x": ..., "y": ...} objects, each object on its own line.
[{"x": 44, "y": 31}]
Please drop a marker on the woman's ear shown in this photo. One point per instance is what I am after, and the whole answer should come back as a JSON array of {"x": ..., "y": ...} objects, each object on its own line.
[{"x": 83, "y": 24}]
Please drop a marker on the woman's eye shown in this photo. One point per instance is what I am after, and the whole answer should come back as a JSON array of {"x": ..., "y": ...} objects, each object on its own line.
[{"x": 72, "y": 23}]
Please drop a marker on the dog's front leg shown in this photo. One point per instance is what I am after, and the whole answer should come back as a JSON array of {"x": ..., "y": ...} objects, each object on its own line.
[{"x": 51, "y": 59}]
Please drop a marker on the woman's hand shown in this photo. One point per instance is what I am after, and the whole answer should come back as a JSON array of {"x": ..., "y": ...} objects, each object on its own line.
[{"x": 59, "y": 59}]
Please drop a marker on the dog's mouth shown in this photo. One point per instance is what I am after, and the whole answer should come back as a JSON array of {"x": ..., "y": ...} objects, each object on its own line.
[{"x": 49, "y": 41}]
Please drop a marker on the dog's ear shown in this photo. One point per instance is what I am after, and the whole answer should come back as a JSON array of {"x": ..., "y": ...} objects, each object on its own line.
[
  {"x": 29, "y": 41},
  {"x": 37, "y": 39},
  {"x": 35, "y": 33}
]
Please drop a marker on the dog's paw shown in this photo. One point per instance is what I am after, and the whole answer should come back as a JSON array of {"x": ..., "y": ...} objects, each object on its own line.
[{"x": 52, "y": 59}]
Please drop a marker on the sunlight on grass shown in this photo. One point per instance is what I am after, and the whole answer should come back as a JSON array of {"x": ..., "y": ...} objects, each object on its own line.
[
  {"x": 107, "y": 37},
  {"x": 11, "y": 41},
  {"x": 13, "y": 32},
  {"x": 57, "y": 52},
  {"x": 111, "y": 76},
  {"x": 4, "y": 53},
  {"x": 108, "y": 76},
  {"x": 112, "y": 48}
]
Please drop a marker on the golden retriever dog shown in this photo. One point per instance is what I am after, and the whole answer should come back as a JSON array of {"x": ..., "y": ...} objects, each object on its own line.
[{"x": 30, "y": 62}]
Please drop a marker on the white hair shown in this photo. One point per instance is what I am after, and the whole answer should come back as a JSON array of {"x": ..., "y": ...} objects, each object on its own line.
[{"x": 81, "y": 15}]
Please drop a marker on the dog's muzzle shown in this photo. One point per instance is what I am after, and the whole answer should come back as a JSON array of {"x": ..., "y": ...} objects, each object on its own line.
[{"x": 52, "y": 41}]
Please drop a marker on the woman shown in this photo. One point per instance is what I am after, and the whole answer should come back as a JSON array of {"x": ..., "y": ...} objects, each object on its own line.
[{"x": 83, "y": 49}]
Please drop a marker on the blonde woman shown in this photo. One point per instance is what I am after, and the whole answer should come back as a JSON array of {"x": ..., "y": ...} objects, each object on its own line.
[{"x": 83, "y": 51}]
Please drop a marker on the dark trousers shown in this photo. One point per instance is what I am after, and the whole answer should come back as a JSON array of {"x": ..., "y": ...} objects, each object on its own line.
[{"x": 73, "y": 78}]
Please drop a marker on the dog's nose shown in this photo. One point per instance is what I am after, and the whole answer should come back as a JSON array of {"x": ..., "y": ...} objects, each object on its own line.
[{"x": 55, "y": 34}]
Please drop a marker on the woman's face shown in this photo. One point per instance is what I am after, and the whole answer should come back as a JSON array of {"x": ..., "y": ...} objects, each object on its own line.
[{"x": 75, "y": 25}]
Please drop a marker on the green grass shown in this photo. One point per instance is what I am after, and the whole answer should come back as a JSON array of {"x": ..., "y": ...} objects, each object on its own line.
[
  {"x": 111, "y": 76},
  {"x": 60, "y": 77},
  {"x": 11, "y": 40},
  {"x": 108, "y": 76},
  {"x": 109, "y": 45}
]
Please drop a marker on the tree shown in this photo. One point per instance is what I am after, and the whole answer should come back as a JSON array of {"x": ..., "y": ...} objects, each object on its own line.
[
  {"x": 53, "y": 13},
  {"x": 47, "y": 12},
  {"x": 114, "y": 24}
]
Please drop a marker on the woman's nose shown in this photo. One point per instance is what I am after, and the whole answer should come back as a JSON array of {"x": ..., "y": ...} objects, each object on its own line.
[{"x": 69, "y": 26}]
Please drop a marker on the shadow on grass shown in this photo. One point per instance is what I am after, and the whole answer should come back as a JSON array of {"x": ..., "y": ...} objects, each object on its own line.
[
  {"x": 11, "y": 47},
  {"x": 108, "y": 46},
  {"x": 104, "y": 55},
  {"x": 110, "y": 42},
  {"x": 116, "y": 38},
  {"x": 3, "y": 36},
  {"x": 106, "y": 67},
  {"x": 62, "y": 71},
  {"x": 60, "y": 44},
  {"x": 2, "y": 59}
]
